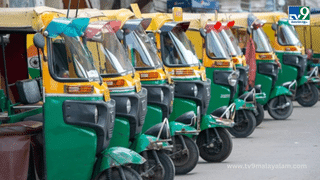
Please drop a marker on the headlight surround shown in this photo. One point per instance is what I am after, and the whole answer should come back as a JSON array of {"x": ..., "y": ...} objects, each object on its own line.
[
  {"x": 161, "y": 95},
  {"x": 128, "y": 106},
  {"x": 232, "y": 78},
  {"x": 96, "y": 115},
  {"x": 195, "y": 90}
]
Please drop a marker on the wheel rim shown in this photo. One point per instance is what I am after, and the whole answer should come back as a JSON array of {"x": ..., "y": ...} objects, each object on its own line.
[
  {"x": 242, "y": 123},
  {"x": 180, "y": 158},
  {"x": 217, "y": 146},
  {"x": 307, "y": 94},
  {"x": 278, "y": 102},
  {"x": 156, "y": 173}
]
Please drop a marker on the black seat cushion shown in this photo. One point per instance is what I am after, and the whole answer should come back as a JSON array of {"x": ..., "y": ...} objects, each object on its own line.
[
  {"x": 29, "y": 91},
  {"x": 218, "y": 112},
  {"x": 186, "y": 118}
]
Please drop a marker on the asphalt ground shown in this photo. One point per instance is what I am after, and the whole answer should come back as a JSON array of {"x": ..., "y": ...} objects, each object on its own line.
[{"x": 277, "y": 149}]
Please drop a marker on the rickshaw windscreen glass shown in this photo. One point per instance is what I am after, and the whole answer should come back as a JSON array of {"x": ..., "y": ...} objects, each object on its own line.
[
  {"x": 71, "y": 59},
  {"x": 215, "y": 46},
  {"x": 111, "y": 57},
  {"x": 261, "y": 41},
  {"x": 231, "y": 42},
  {"x": 178, "y": 50},
  {"x": 288, "y": 36}
]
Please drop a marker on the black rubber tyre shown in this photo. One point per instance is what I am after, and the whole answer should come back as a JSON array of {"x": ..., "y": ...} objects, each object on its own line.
[
  {"x": 280, "y": 114},
  {"x": 112, "y": 174},
  {"x": 166, "y": 171},
  {"x": 310, "y": 99},
  {"x": 185, "y": 163},
  {"x": 243, "y": 126},
  {"x": 260, "y": 116},
  {"x": 220, "y": 150}
]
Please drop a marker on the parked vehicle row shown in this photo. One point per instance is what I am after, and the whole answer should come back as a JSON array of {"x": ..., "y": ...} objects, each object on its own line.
[{"x": 116, "y": 94}]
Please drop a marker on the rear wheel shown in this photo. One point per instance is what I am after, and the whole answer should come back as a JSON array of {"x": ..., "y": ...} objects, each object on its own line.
[
  {"x": 217, "y": 149},
  {"x": 308, "y": 95},
  {"x": 260, "y": 116},
  {"x": 280, "y": 108},
  {"x": 151, "y": 170},
  {"x": 245, "y": 123},
  {"x": 185, "y": 160},
  {"x": 115, "y": 173}
]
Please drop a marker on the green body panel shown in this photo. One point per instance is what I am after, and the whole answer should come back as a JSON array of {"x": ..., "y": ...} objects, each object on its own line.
[
  {"x": 241, "y": 104},
  {"x": 34, "y": 73},
  {"x": 177, "y": 126},
  {"x": 153, "y": 117},
  {"x": 154, "y": 82},
  {"x": 220, "y": 95},
  {"x": 266, "y": 84},
  {"x": 117, "y": 156},
  {"x": 70, "y": 150},
  {"x": 286, "y": 73},
  {"x": 187, "y": 79},
  {"x": 315, "y": 55},
  {"x": 207, "y": 121},
  {"x": 278, "y": 91},
  {"x": 142, "y": 142},
  {"x": 302, "y": 80},
  {"x": 236, "y": 95},
  {"x": 121, "y": 133},
  {"x": 181, "y": 106}
]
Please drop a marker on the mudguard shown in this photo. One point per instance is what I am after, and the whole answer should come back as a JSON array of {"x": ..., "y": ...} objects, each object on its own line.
[
  {"x": 241, "y": 104},
  {"x": 208, "y": 121},
  {"x": 278, "y": 91},
  {"x": 302, "y": 80},
  {"x": 117, "y": 156},
  {"x": 180, "y": 128},
  {"x": 145, "y": 142}
]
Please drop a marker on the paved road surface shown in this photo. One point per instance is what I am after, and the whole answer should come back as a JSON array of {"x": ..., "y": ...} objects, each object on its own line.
[{"x": 288, "y": 149}]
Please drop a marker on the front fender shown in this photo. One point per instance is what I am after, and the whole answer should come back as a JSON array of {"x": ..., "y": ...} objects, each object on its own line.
[
  {"x": 241, "y": 104},
  {"x": 180, "y": 128},
  {"x": 145, "y": 142},
  {"x": 117, "y": 156},
  {"x": 302, "y": 80},
  {"x": 279, "y": 91},
  {"x": 208, "y": 121}
]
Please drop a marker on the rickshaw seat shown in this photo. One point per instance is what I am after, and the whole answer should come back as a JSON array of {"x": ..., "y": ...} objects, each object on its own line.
[
  {"x": 37, "y": 118},
  {"x": 28, "y": 91}
]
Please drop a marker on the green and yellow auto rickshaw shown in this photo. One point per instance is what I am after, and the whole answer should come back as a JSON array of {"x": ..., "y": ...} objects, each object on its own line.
[{"x": 71, "y": 100}]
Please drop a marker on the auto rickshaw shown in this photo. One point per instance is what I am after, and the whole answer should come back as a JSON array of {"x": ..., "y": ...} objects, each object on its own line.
[
  {"x": 140, "y": 48},
  {"x": 72, "y": 101},
  {"x": 291, "y": 53},
  {"x": 192, "y": 88},
  {"x": 276, "y": 102},
  {"x": 220, "y": 69},
  {"x": 131, "y": 100}
]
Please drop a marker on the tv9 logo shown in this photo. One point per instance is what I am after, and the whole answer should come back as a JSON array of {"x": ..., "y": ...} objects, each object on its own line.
[{"x": 299, "y": 15}]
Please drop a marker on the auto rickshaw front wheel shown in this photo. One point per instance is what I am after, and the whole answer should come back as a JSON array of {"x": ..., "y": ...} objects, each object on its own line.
[
  {"x": 260, "y": 116},
  {"x": 245, "y": 123},
  {"x": 152, "y": 170},
  {"x": 280, "y": 108},
  {"x": 118, "y": 173},
  {"x": 185, "y": 154},
  {"x": 214, "y": 147},
  {"x": 308, "y": 95}
]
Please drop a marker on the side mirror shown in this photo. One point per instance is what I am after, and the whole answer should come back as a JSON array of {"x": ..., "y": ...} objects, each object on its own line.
[
  {"x": 38, "y": 40},
  {"x": 120, "y": 34},
  {"x": 249, "y": 30},
  {"x": 203, "y": 33},
  {"x": 152, "y": 37},
  {"x": 274, "y": 27},
  {"x": 244, "y": 51}
]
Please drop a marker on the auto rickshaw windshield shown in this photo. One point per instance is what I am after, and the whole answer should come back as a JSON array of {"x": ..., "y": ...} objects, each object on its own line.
[
  {"x": 261, "y": 41},
  {"x": 215, "y": 47},
  {"x": 143, "y": 50},
  {"x": 110, "y": 56},
  {"x": 231, "y": 42},
  {"x": 79, "y": 60},
  {"x": 287, "y": 36},
  {"x": 182, "y": 53}
]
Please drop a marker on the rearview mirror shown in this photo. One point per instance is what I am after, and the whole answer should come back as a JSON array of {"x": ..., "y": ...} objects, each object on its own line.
[
  {"x": 38, "y": 40},
  {"x": 203, "y": 33},
  {"x": 119, "y": 34},
  {"x": 274, "y": 27}
]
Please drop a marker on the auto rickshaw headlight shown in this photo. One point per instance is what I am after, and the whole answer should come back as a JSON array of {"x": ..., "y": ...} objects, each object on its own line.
[
  {"x": 195, "y": 91},
  {"x": 128, "y": 106},
  {"x": 96, "y": 115},
  {"x": 232, "y": 79}
]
